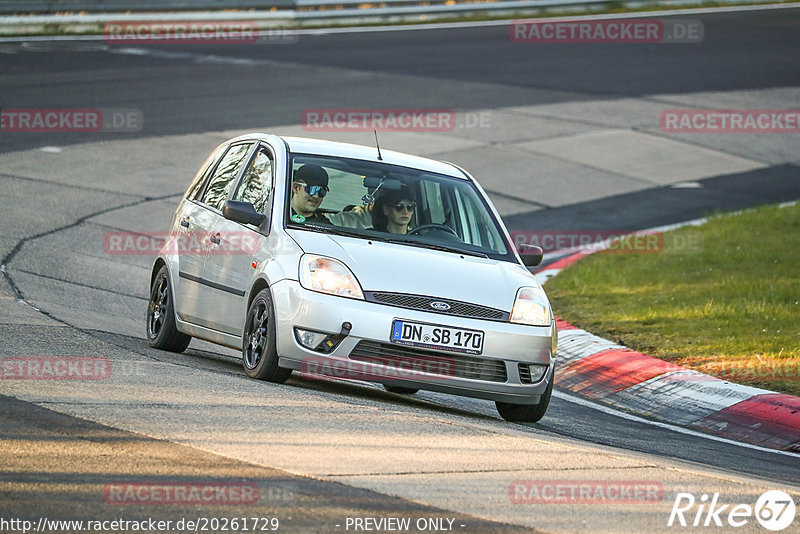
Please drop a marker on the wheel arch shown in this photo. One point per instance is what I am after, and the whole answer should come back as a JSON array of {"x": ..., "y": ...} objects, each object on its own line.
[
  {"x": 159, "y": 263},
  {"x": 258, "y": 285}
]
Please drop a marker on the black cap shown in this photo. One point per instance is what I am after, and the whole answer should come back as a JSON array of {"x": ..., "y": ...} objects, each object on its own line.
[
  {"x": 391, "y": 197},
  {"x": 311, "y": 175}
]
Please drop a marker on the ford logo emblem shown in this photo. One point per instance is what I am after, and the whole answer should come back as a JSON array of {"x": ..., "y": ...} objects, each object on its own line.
[{"x": 439, "y": 305}]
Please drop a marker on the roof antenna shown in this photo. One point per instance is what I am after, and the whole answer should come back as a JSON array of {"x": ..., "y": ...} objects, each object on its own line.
[{"x": 377, "y": 144}]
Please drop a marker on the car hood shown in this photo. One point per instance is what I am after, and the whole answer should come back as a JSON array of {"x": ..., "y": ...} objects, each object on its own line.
[{"x": 400, "y": 268}]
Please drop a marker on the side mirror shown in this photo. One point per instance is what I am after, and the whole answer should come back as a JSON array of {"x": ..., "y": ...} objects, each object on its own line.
[
  {"x": 242, "y": 212},
  {"x": 531, "y": 254}
]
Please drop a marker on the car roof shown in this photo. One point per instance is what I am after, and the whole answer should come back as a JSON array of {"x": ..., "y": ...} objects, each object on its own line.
[{"x": 306, "y": 145}]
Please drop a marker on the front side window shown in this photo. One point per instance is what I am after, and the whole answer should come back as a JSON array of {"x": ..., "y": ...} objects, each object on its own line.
[
  {"x": 224, "y": 176},
  {"x": 256, "y": 184},
  {"x": 375, "y": 200}
]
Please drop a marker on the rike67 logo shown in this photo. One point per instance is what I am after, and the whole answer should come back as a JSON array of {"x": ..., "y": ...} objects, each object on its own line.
[{"x": 774, "y": 510}]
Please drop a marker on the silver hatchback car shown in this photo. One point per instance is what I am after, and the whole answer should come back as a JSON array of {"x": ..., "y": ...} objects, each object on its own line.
[{"x": 340, "y": 260}]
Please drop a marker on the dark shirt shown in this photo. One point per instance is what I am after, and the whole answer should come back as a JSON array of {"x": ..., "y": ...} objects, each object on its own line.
[{"x": 317, "y": 218}]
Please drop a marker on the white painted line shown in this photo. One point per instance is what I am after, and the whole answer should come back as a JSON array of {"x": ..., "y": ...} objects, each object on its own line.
[
  {"x": 197, "y": 58},
  {"x": 675, "y": 226},
  {"x": 547, "y": 274},
  {"x": 666, "y": 426}
]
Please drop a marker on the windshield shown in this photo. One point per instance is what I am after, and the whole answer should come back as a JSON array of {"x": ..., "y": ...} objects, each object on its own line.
[{"x": 385, "y": 202}]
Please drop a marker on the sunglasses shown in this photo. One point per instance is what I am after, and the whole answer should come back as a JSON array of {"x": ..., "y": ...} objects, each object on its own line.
[
  {"x": 407, "y": 206},
  {"x": 315, "y": 190}
]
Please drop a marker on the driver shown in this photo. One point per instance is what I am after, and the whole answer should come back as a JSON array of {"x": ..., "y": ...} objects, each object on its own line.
[
  {"x": 392, "y": 211},
  {"x": 309, "y": 187}
]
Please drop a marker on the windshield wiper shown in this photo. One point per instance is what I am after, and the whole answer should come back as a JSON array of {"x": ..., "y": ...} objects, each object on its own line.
[
  {"x": 443, "y": 248},
  {"x": 337, "y": 231}
]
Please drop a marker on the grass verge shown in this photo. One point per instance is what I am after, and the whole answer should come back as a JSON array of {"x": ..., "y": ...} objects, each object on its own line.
[{"x": 728, "y": 306}]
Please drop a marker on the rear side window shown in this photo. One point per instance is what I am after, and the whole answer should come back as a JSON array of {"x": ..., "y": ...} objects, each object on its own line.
[
  {"x": 224, "y": 176},
  {"x": 200, "y": 178}
]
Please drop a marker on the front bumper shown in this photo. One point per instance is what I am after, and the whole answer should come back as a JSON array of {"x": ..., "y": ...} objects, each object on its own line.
[{"x": 505, "y": 346}]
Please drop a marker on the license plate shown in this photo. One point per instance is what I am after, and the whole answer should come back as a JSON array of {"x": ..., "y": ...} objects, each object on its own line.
[{"x": 437, "y": 336}]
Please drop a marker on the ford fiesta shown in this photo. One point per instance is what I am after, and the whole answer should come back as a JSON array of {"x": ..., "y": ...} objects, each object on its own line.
[{"x": 348, "y": 261}]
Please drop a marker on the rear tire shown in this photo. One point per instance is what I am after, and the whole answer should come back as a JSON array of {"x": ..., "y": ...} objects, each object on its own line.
[
  {"x": 527, "y": 413},
  {"x": 400, "y": 390},
  {"x": 162, "y": 333},
  {"x": 259, "y": 353}
]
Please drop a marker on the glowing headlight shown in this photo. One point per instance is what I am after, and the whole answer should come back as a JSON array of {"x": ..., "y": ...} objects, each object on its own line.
[
  {"x": 327, "y": 275},
  {"x": 531, "y": 307}
]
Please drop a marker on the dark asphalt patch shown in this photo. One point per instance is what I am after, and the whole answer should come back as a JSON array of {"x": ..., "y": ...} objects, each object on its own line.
[
  {"x": 183, "y": 94},
  {"x": 667, "y": 205}
]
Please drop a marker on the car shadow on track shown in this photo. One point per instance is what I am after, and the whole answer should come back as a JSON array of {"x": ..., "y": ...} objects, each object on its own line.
[{"x": 349, "y": 391}]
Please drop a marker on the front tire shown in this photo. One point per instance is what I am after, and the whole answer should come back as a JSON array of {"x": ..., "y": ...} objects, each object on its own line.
[
  {"x": 259, "y": 353},
  {"x": 162, "y": 333},
  {"x": 527, "y": 413}
]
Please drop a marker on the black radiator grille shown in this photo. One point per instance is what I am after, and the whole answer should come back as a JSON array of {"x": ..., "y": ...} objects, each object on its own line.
[
  {"x": 421, "y": 302},
  {"x": 413, "y": 359},
  {"x": 525, "y": 373}
]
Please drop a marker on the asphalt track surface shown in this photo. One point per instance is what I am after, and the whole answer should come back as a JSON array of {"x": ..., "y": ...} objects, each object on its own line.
[
  {"x": 461, "y": 69},
  {"x": 477, "y": 67}
]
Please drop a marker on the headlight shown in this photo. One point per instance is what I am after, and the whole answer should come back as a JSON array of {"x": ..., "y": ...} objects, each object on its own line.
[
  {"x": 330, "y": 276},
  {"x": 531, "y": 307}
]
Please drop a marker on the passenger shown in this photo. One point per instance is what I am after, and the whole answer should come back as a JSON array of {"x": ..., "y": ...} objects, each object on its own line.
[
  {"x": 309, "y": 187},
  {"x": 393, "y": 211},
  {"x": 353, "y": 216}
]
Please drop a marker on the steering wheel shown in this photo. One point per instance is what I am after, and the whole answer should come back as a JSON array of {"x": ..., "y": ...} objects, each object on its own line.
[{"x": 431, "y": 226}]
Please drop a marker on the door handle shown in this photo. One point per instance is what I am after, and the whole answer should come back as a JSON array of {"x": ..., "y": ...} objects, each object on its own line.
[
  {"x": 215, "y": 239},
  {"x": 185, "y": 223}
]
